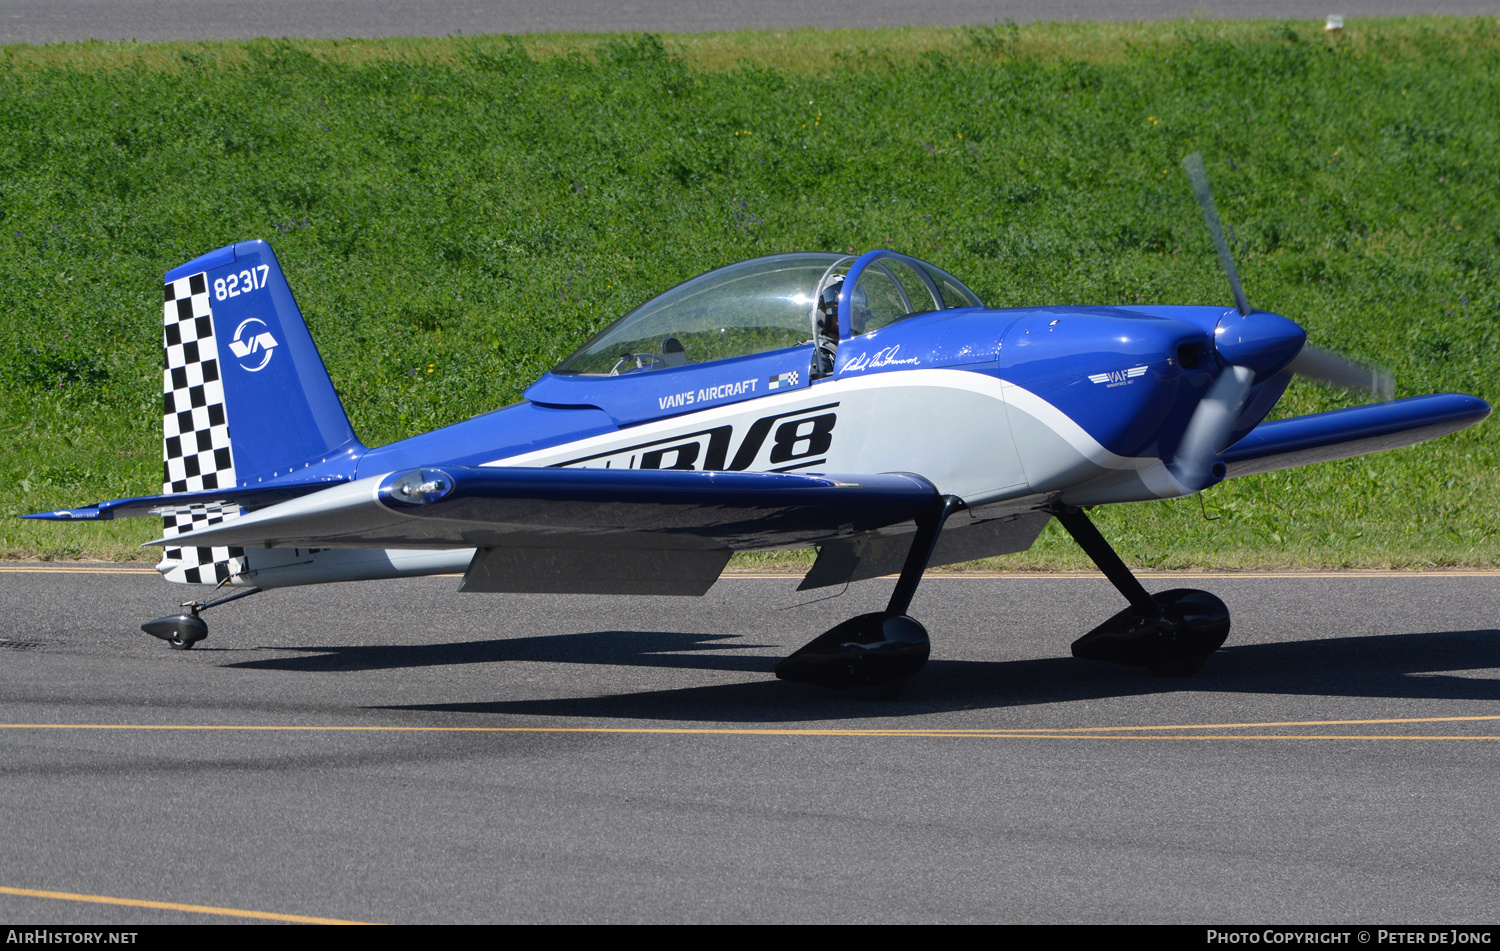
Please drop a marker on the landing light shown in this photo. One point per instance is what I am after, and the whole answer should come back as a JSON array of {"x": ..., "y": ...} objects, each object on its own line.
[
  {"x": 426, "y": 490},
  {"x": 420, "y": 486}
]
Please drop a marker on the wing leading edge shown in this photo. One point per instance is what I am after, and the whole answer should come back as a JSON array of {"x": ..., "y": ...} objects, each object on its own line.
[
  {"x": 582, "y": 530},
  {"x": 459, "y": 507},
  {"x": 1343, "y": 433}
]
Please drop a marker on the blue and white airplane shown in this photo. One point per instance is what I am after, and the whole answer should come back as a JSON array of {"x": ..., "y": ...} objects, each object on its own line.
[{"x": 870, "y": 406}]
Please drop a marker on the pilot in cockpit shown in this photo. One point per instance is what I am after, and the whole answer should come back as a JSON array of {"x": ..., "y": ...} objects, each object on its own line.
[
  {"x": 828, "y": 322},
  {"x": 827, "y": 338}
]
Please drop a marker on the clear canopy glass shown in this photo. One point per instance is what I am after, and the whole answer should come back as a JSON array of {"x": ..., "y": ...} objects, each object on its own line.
[
  {"x": 893, "y": 287},
  {"x": 751, "y": 307}
]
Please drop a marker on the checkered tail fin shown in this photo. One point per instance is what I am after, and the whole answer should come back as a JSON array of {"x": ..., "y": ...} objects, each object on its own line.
[{"x": 246, "y": 398}]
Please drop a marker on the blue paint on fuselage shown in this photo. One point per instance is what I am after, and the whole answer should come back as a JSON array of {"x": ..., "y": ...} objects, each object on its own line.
[
  {"x": 1129, "y": 377},
  {"x": 1079, "y": 359},
  {"x": 509, "y": 431},
  {"x": 960, "y": 337},
  {"x": 645, "y": 395}
]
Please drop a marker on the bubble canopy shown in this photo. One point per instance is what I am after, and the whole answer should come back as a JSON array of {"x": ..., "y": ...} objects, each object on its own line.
[{"x": 747, "y": 308}]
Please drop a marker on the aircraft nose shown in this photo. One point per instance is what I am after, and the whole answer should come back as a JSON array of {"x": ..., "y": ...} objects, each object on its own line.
[{"x": 1260, "y": 341}]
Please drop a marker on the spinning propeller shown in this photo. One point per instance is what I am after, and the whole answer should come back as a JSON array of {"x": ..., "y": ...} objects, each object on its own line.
[{"x": 1254, "y": 345}]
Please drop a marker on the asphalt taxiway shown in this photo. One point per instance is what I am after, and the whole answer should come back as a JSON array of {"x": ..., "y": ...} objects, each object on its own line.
[
  {"x": 393, "y": 751},
  {"x": 51, "y": 21}
]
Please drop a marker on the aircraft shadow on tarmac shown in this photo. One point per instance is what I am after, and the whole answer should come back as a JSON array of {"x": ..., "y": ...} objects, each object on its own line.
[
  {"x": 626, "y": 648},
  {"x": 1416, "y": 666}
]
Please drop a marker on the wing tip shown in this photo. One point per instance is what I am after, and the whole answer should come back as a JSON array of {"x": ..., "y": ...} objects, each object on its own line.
[{"x": 89, "y": 513}]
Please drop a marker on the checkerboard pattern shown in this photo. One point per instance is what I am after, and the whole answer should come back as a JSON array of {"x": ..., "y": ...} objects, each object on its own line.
[
  {"x": 781, "y": 380},
  {"x": 196, "y": 454},
  {"x": 200, "y": 565},
  {"x": 195, "y": 435}
]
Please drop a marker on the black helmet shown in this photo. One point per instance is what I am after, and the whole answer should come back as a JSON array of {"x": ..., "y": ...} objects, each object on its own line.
[{"x": 828, "y": 307}]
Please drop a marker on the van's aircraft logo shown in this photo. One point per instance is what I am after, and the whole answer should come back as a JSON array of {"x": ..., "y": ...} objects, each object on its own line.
[
  {"x": 706, "y": 394},
  {"x": 1117, "y": 377},
  {"x": 247, "y": 343}
]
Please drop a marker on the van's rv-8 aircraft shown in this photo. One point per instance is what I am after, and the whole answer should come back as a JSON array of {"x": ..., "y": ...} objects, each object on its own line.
[{"x": 870, "y": 406}]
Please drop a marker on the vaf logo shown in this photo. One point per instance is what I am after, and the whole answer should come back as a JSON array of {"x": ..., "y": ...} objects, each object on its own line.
[
  {"x": 247, "y": 343},
  {"x": 1117, "y": 377}
]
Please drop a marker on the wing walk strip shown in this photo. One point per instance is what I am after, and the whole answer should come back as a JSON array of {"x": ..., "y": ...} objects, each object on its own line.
[
  {"x": 174, "y": 906},
  {"x": 1149, "y": 732}
]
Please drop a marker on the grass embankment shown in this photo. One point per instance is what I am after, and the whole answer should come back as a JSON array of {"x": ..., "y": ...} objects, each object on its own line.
[{"x": 456, "y": 215}]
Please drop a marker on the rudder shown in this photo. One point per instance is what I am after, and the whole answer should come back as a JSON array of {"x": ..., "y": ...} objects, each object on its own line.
[{"x": 246, "y": 397}]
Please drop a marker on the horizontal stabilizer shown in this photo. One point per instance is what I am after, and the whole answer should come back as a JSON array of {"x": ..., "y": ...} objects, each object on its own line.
[
  {"x": 1343, "y": 433},
  {"x": 644, "y": 510},
  {"x": 255, "y": 497}
]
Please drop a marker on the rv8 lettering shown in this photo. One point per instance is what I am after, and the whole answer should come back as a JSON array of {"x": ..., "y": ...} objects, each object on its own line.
[{"x": 781, "y": 442}]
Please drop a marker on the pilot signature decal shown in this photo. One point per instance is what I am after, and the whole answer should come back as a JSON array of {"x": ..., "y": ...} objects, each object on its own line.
[{"x": 889, "y": 357}]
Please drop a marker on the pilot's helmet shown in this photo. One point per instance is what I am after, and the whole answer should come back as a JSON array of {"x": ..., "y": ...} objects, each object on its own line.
[{"x": 828, "y": 307}]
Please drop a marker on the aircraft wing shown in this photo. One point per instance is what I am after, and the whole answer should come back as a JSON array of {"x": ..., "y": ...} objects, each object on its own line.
[
  {"x": 1342, "y": 433},
  {"x": 628, "y": 531},
  {"x": 462, "y": 506}
]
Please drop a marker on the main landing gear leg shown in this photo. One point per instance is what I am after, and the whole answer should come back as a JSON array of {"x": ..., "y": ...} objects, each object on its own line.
[
  {"x": 874, "y": 655},
  {"x": 182, "y": 631},
  {"x": 1171, "y": 633}
]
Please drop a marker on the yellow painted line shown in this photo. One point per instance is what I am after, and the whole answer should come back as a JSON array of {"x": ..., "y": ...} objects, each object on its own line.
[
  {"x": 1093, "y": 732},
  {"x": 174, "y": 906},
  {"x": 1232, "y": 736}
]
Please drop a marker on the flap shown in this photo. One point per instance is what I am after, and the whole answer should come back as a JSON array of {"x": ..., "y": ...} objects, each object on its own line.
[
  {"x": 963, "y": 538},
  {"x": 594, "y": 571}
]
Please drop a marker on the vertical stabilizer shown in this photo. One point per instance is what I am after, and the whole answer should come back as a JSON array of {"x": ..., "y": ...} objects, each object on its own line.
[{"x": 246, "y": 398}]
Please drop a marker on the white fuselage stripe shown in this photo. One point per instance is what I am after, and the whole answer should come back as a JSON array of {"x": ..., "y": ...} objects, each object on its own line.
[{"x": 965, "y": 380}]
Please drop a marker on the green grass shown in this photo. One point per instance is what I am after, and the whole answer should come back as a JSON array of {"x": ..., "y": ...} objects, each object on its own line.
[{"x": 457, "y": 215}]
